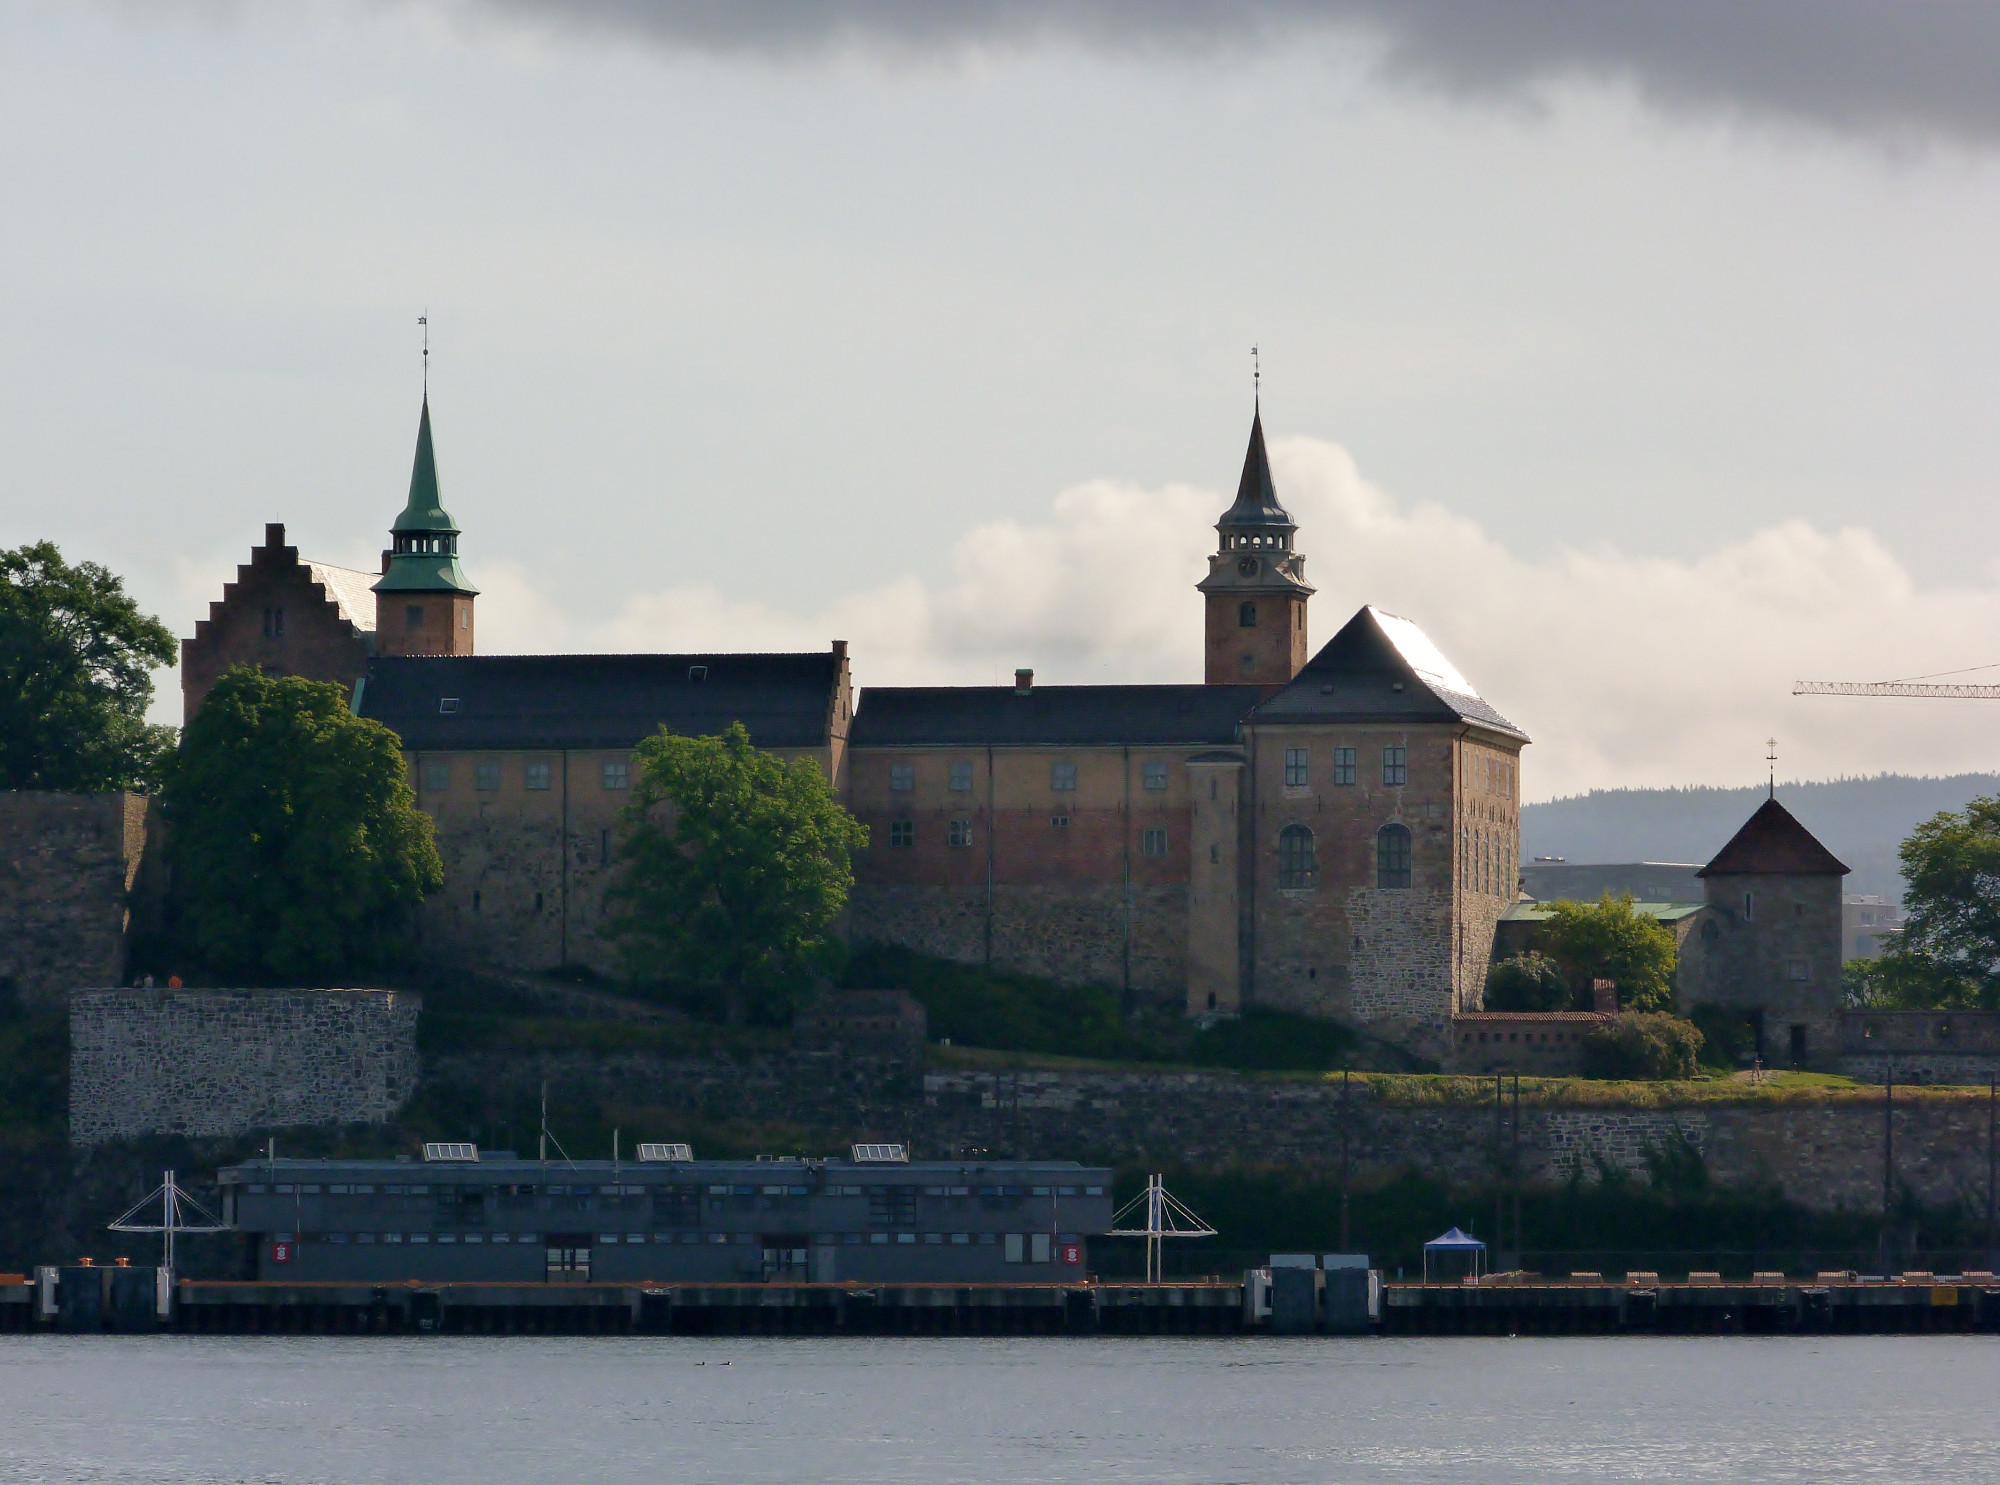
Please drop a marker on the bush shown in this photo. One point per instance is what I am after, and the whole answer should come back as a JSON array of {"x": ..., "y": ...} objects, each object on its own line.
[
  {"x": 1644, "y": 1045},
  {"x": 1606, "y": 940},
  {"x": 1728, "y": 1040},
  {"x": 1528, "y": 982}
]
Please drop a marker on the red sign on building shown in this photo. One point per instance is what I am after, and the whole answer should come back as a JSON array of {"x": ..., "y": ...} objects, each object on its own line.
[
  {"x": 281, "y": 1252},
  {"x": 1072, "y": 1252}
]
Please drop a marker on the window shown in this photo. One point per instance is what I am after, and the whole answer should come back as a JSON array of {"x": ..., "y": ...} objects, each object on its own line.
[
  {"x": 1153, "y": 843},
  {"x": 961, "y": 777},
  {"x": 1343, "y": 766},
  {"x": 1298, "y": 864},
  {"x": 1062, "y": 775},
  {"x": 617, "y": 773},
  {"x": 437, "y": 775},
  {"x": 1799, "y": 969},
  {"x": 413, "y": 616},
  {"x": 1246, "y": 616},
  {"x": 902, "y": 777},
  {"x": 447, "y": 706},
  {"x": 1016, "y": 1248},
  {"x": 1748, "y": 903},
  {"x": 1298, "y": 771},
  {"x": 1154, "y": 775},
  {"x": 958, "y": 833},
  {"x": 1059, "y": 822},
  {"x": 902, "y": 834},
  {"x": 486, "y": 777},
  {"x": 1215, "y": 855},
  {"x": 535, "y": 776},
  {"x": 1395, "y": 764},
  {"x": 697, "y": 674},
  {"x": 1392, "y": 856}
]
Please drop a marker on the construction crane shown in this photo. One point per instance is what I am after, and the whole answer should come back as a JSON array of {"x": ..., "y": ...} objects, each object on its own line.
[{"x": 1917, "y": 686}]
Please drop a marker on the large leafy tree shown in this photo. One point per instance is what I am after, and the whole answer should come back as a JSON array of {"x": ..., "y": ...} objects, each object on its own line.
[
  {"x": 734, "y": 865},
  {"x": 298, "y": 850},
  {"x": 76, "y": 664},
  {"x": 1606, "y": 940},
  {"x": 1948, "y": 952}
]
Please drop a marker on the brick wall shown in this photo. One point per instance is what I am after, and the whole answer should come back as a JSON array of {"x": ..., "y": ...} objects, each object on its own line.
[
  {"x": 227, "y": 1062},
  {"x": 69, "y": 865}
]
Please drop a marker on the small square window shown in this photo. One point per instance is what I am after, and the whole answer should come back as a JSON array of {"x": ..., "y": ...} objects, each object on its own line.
[
  {"x": 1062, "y": 776},
  {"x": 1153, "y": 843},
  {"x": 1059, "y": 822},
  {"x": 486, "y": 776},
  {"x": 617, "y": 773},
  {"x": 958, "y": 833},
  {"x": 1155, "y": 775},
  {"x": 902, "y": 834},
  {"x": 436, "y": 775},
  {"x": 535, "y": 776},
  {"x": 1800, "y": 969},
  {"x": 1343, "y": 766},
  {"x": 447, "y": 706},
  {"x": 961, "y": 777},
  {"x": 1395, "y": 764},
  {"x": 1298, "y": 768},
  {"x": 413, "y": 616},
  {"x": 902, "y": 776}
]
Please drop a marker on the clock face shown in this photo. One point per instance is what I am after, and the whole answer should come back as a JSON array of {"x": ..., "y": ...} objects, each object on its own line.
[{"x": 1248, "y": 567}]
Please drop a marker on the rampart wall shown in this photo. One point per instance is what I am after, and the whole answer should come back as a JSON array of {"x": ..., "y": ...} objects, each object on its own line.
[
  {"x": 69, "y": 864},
  {"x": 227, "y": 1062}
]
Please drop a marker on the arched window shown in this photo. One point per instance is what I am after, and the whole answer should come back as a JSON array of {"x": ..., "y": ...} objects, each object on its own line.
[
  {"x": 1246, "y": 616},
  {"x": 1298, "y": 864},
  {"x": 1392, "y": 856}
]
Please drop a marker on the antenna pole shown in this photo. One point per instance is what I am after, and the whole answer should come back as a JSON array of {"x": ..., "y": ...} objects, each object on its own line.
[{"x": 542, "y": 1149}]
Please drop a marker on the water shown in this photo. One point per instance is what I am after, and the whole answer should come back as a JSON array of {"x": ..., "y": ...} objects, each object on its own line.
[{"x": 199, "y": 1411}]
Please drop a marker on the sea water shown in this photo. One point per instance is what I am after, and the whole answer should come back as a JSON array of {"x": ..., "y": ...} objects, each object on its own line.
[{"x": 674, "y": 1411}]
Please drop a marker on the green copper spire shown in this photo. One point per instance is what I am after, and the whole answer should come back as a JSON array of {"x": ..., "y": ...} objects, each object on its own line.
[{"x": 424, "y": 558}]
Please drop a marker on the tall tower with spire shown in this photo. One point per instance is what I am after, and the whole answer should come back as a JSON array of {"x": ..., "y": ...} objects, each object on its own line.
[
  {"x": 1256, "y": 588},
  {"x": 423, "y": 603}
]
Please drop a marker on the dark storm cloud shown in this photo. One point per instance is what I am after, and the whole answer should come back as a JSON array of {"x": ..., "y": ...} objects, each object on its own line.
[{"x": 1922, "y": 66}]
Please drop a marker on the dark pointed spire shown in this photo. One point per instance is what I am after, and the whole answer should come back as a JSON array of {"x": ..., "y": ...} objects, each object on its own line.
[
  {"x": 425, "y": 554},
  {"x": 1256, "y": 497},
  {"x": 424, "y": 511}
]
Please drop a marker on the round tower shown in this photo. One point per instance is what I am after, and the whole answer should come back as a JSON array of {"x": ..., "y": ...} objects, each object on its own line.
[
  {"x": 423, "y": 603},
  {"x": 1256, "y": 587}
]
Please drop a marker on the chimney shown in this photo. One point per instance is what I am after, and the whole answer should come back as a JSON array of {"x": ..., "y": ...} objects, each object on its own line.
[
  {"x": 840, "y": 649},
  {"x": 1604, "y": 997},
  {"x": 1024, "y": 682},
  {"x": 274, "y": 535},
  {"x": 386, "y": 555}
]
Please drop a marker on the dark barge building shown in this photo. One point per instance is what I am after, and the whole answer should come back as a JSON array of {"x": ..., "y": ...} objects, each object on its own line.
[{"x": 467, "y": 1217}]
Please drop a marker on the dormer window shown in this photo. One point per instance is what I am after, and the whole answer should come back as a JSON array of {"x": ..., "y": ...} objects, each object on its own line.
[{"x": 447, "y": 706}]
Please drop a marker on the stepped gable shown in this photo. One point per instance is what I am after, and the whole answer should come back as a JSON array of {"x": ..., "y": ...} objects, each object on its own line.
[
  {"x": 444, "y": 702},
  {"x": 1049, "y": 716},
  {"x": 1772, "y": 842},
  {"x": 1382, "y": 668}
]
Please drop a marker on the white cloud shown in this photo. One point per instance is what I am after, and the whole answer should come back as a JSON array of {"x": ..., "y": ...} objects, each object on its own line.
[{"x": 1626, "y": 669}]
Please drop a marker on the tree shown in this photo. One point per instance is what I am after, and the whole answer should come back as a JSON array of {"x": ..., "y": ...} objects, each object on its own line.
[
  {"x": 76, "y": 664},
  {"x": 1642, "y": 1044},
  {"x": 1528, "y": 982},
  {"x": 735, "y": 864},
  {"x": 298, "y": 850},
  {"x": 1606, "y": 940},
  {"x": 1947, "y": 955}
]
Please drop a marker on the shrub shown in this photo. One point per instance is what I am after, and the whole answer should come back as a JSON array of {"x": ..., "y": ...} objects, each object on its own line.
[
  {"x": 1528, "y": 982},
  {"x": 1728, "y": 1040},
  {"x": 1642, "y": 1044},
  {"x": 1607, "y": 940}
]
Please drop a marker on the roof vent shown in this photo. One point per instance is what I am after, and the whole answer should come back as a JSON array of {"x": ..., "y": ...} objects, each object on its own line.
[
  {"x": 881, "y": 1155},
  {"x": 459, "y": 1153},
  {"x": 697, "y": 673},
  {"x": 657, "y": 1154},
  {"x": 1024, "y": 682},
  {"x": 447, "y": 706},
  {"x": 1395, "y": 685}
]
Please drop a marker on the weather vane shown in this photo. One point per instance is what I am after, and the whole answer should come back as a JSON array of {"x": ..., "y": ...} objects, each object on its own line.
[
  {"x": 1256, "y": 376},
  {"x": 1771, "y": 757},
  {"x": 424, "y": 320}
]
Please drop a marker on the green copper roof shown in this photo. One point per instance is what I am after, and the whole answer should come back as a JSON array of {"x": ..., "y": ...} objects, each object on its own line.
[{"x": 425, "y": 559}]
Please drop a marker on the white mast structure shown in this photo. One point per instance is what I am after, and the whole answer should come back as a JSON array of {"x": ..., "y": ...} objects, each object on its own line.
[
  {"x": 1166, "y": 1216},
  {"x": 175, "y": 1207}
]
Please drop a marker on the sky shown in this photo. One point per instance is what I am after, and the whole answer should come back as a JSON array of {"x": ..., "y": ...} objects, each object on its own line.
[{"x": 1645, "y": 355}]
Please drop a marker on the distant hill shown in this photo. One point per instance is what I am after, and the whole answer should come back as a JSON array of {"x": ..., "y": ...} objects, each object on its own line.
[{"x": 1862, "y": 821}]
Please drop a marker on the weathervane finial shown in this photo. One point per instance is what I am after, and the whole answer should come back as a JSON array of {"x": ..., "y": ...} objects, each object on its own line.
[
  {"x": 1256, "y": 376},
  {"x": 1771, "y": 757},
  {"x": 424, "y": 320}
]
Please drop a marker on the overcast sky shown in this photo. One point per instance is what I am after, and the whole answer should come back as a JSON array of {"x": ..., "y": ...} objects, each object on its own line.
[{"x": 1648, "y": 355}]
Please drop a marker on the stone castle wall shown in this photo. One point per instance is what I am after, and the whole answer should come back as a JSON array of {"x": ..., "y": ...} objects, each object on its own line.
[
  {"x": 69, "y": 865},
  {"x": 227, "y": 1062}
]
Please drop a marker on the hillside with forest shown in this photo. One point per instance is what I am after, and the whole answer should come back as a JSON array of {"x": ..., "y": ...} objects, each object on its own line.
[{"x": 1862, "y": 821}]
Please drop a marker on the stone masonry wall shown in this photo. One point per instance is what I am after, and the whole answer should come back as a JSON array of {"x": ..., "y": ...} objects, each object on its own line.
[
  {"x": 227, "y": 1062},
  {"x": 68, "y": 867}
]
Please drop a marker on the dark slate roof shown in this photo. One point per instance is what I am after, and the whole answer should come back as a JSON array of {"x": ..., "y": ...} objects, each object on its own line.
[
  {"x": 1256, "y": 497},
  {"x": 599, "y": 701},
  {"x": 1049, "y": 716},
  {"x": 1381, "y": 668},
  {"x": 1772, "y": 842}
]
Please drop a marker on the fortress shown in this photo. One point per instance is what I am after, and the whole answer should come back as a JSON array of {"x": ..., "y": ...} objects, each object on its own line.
[{"x": 1334, "y": 833}]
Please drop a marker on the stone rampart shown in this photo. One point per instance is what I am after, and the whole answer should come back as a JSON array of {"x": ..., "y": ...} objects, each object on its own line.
[
  {"x": 227, "y": 1062},
  {"x": 69, "y": 864}
]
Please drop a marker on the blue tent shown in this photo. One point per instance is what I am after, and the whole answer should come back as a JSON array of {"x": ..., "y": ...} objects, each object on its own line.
[{"x": 1466, "y": 1254}]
